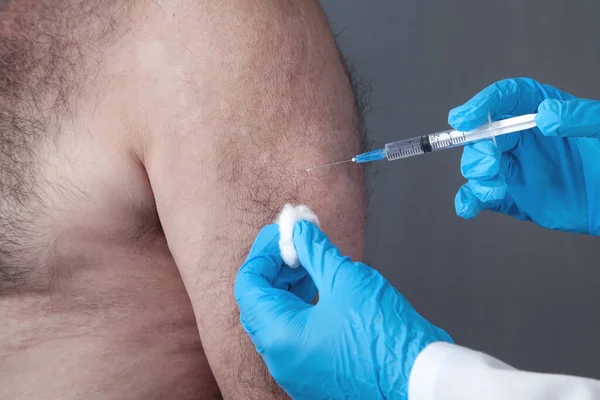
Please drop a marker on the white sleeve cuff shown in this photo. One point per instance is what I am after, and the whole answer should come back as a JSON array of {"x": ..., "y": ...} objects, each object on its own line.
[{"x": 424, "y": 374}]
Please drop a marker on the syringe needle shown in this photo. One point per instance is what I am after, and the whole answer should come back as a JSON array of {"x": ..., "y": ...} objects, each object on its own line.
[{"x": 328, "y": 165}]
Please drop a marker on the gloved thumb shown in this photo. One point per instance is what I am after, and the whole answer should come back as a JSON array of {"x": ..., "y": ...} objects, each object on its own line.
[
  {"x": 321, "y": 259},
  {"x": 569, "y": 118}
]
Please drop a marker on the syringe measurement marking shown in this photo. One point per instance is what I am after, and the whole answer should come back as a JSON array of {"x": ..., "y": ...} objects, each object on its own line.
[
  {"x": 448, "y": 142},
  {"x": 405, "y": 153}
]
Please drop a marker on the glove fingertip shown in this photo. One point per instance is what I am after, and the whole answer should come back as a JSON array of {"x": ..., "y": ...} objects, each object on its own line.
[
  {"x": 256, "y": 273},
  {"x": 317, "y": 255},
  {"x": 466, "y": 117},
  {"x": 548, "y": 118},
  {"x": 268, "y": 231},
  {"x": 466, "y": 204},
  {"x": 455, "y": 115},
  {"x": 480, "y": 161},
  {"x": 305, "y": 227},
  {"x": 488, "y": 190},
  {"x": 305, "y": 232},
  {"x": 266, "y": 240},
  {"x": 549, "y": 106}
]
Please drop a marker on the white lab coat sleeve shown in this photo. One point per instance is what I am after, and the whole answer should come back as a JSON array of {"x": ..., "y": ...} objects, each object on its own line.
[{"x": 445, "y": 371}]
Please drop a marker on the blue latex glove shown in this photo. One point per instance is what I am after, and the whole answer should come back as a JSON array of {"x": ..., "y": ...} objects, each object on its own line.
[
  {"x": 549, "y": 175},
  {"x": 358, "y": 342}
]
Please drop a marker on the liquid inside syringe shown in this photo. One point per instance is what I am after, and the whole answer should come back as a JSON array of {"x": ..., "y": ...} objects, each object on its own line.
[{"x": 442, "y": 140}]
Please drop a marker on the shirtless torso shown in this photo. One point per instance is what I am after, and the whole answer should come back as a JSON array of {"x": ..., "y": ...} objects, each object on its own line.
[{"x": 137, "y": 163}]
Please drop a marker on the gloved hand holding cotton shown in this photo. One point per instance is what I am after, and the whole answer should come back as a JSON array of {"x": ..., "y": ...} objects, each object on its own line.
[{"x": 359, "y": 341}]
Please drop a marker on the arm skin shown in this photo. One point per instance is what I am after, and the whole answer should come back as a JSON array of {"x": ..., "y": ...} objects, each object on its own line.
[{"x": 272, "y": 98}]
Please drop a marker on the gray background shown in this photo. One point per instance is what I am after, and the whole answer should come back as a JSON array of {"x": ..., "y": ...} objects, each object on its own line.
[{"x": 525, "y": 295}]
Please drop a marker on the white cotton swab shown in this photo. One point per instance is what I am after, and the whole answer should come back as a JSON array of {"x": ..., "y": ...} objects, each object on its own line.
[{"x": 286, "y": 220}]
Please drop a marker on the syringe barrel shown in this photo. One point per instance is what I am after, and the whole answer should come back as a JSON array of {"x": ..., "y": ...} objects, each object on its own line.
[
  {"x": 407, "y": 148},
  {"x": 452, "y": 138},
  {"x": 432, "y": 142}
]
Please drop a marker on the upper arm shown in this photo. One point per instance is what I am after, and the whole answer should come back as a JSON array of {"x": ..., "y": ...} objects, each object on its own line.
[{"x": 271, "y": 98}]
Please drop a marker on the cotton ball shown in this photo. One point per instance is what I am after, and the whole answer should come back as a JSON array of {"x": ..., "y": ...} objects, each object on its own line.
[{"x": 286, "y": 220}]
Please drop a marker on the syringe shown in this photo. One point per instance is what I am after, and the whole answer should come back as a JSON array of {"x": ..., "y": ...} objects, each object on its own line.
[{"x": 442, "y": 140}]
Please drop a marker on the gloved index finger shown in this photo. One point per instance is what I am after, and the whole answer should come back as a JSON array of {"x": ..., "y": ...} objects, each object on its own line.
[
  {"x": 506, "y": 97},
  {"x": 262, "y": 264},
  {"x": 254, "y": 290}
]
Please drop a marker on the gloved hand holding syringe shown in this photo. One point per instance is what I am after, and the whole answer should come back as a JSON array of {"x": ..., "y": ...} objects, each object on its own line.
[{"x": 442, "y": 140}]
